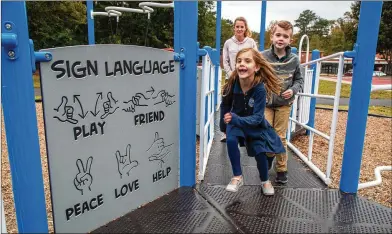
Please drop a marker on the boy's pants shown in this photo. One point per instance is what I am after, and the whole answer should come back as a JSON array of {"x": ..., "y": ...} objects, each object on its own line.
[{"x": 278, "y": 117}]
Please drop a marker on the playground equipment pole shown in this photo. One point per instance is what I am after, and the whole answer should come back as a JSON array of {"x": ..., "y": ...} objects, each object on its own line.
[
  {"x": 262, "y": 23},
  {"x": 217, "y": 45},
  {"x": 185, "y": 43},
  {"x": 363, "y": 62},
  {"x": 294, "y": 50},
  {"x": 90, "y": 23},
  {"x": 20, "y": 119},
  {"x": 315, "y": 55}
]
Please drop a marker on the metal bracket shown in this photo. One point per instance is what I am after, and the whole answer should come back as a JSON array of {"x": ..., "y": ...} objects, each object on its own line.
[
  {"x": 352, "y": 54},
  {"x": 180, "y": 57},
  {"x": 38, "y": 56},
  {"x": 201, "y": 52},
  {"x": 9, "y": 40}
]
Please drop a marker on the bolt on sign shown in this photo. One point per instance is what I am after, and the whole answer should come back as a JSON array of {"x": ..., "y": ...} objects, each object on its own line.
[{"x": 112, "y": 131}]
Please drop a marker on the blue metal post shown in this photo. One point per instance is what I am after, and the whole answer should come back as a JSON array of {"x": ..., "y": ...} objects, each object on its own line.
[
  {"x": 185, "y": 41},
  {"x": 90, "y": 23},
  {"x": 315, "y": 55},
  {"x": 262, "y": 23},
  {"x": 21, "y": 122},
  {"x": 367, "y": 36},
  {"x": 294, "y": 50},
  {"x": 217, "y": 45}
]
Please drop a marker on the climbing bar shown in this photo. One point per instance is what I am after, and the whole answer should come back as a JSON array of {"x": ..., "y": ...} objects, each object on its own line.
[
  {"x": 108, "y": 13},
  {"x": 133, "y": 10},
  {"x": 156, "y": 4}
]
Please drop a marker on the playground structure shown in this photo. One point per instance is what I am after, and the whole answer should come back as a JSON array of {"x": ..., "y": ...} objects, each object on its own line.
[{"x": 21, "y": 129}]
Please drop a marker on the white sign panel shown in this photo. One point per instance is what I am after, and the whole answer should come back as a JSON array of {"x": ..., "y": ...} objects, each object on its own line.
[{"x": 112, "y": 131}]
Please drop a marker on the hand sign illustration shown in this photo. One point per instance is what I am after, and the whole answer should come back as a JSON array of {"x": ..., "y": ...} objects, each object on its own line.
[
  {"x": 158, "y": 149},
  {"x": 109, "y": 107},
  {"x": 124, "y": 162},
  {"x": 165, "y": 97},
  {"x": 66, "y": 111},
  {"x": 83, "y": 179},
  {"x": 135, "y": 101}
]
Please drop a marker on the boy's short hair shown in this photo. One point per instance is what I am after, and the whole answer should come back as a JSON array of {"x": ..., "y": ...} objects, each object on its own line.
[{"x": 286, "y": 25}]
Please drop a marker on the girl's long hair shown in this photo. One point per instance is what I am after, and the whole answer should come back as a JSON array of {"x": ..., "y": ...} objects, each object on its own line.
[
  {"x": 247, "y": 32},
  {"x": 266, "y": 74}
]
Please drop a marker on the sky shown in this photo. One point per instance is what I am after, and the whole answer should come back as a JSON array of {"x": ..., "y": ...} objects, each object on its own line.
[{"x": 282, "y": 10}]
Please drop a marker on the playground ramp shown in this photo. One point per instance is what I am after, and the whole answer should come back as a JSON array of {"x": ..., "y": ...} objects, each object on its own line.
[{"x": 303, "y": 205}]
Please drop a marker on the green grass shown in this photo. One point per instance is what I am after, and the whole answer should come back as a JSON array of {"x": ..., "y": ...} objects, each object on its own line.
[
  {"x": 377, "y": 110},
  {"x": 36, "y": 81},
  {"x": 328, "y": 88}
]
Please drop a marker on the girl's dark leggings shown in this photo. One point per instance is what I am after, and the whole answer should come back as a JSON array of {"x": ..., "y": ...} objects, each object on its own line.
[{"x": 234, "y": 155}]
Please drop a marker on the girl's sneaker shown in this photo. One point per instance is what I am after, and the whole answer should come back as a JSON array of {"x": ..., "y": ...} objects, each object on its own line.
[
  {"x": 232, "y": 186},
  {"x": 267, "y": 188}
]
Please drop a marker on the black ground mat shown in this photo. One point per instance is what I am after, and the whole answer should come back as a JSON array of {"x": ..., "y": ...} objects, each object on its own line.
[
  {"x": 181, "y": 211},
  {"x": 298, "y": 211},
  {"x": 219, "y": 170}
]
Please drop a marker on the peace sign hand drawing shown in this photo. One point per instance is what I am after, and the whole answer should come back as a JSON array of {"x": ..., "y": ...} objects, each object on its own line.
[
  {"x": 83, "y": 179},
  {"x": 124, "y": 162}
]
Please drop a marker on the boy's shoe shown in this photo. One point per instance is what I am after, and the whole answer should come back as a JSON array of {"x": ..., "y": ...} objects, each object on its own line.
[
  {"x": 267, "y": 188},
  {"x": 281, "y": 177},
  {"x": 223, "y": 138},
  {"x": 234, "y": 187}
]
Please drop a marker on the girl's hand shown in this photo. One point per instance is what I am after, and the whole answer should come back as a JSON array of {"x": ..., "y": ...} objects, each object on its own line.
[{"x": 227, "y": 118}]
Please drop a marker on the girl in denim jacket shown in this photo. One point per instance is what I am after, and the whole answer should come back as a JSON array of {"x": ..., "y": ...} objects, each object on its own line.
[{"x": 242, "y": 116}]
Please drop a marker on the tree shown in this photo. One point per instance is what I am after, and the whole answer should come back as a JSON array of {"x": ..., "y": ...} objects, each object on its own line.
[
  {"x": 384, "y": 46},
  {"x": 349, "y": 25},
  {"x": 315, "y": 42},
  {"x": 268, "y": 33},
  {"x": 226, "y": 30},
  {"x": 321, "y": 27},
  {"x": 336, "y": 41},
  {"x": 56, "y": 23},
  {"x": 207, "y": 24},
  {"x": 135, "y": 28},
  {"x": 305, "y": 21}
]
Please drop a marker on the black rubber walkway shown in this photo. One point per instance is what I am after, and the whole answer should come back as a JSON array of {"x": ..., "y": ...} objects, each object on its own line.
[{"x": 304, "y": 205}]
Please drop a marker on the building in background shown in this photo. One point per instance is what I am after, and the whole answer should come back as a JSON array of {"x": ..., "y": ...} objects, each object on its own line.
[{"x": 330, "y": 66}]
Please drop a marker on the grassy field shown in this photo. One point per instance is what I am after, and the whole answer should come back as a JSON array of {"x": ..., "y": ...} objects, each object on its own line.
[
  {"x": 376, "y": 110},
  {"x": 328, "y": 88}
]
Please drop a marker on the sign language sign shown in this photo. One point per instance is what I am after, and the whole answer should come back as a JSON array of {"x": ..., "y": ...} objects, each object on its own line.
[
  {"x": 111, "y": 124},
  {"x": 83, "y": 179}
]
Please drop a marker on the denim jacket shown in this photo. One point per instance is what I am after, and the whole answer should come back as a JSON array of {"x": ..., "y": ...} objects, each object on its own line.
[{"x": 248, "y": 120}]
